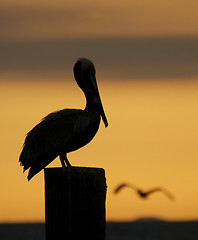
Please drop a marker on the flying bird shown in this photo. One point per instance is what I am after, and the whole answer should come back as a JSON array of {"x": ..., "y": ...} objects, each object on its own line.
[
  {"x": 141, "y": 193},
  {"x": 66, "y": 130}
]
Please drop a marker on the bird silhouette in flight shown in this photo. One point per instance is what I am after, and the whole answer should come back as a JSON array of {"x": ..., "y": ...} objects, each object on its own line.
[
  {"x": 66, "y": 130},
  {"x": 141, "y": 193}
]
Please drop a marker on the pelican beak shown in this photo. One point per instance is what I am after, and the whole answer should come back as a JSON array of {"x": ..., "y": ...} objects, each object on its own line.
[
  {"x": 84, "y": 72},
  {"x": 97, "y": 100},
  {"x": 102, "y": 113}
]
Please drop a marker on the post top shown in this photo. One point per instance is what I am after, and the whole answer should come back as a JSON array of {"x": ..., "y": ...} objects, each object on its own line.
[{"x": 74, "y": 169}]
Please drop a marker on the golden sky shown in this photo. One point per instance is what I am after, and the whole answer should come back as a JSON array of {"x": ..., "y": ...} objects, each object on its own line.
[
  {"x": 152, "y": 135},
  {"x": 151, "y": 141},
  {"x": 25, "y": 20}
]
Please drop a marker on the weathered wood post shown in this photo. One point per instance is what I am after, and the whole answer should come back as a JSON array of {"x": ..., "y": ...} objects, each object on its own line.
[{"x": 75, "y": 203}]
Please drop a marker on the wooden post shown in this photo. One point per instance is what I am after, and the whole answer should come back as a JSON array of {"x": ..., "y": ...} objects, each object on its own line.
[{"x": 75, "y": 203}]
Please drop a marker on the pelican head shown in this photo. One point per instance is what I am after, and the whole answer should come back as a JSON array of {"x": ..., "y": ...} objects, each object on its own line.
[{"x": 85, "y": 75}]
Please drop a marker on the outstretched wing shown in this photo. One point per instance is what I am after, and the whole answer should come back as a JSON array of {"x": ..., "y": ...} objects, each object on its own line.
[
  {"x": 123, "y": 185},
  {"x": 47, "y": 139},
  {"x": 168, "y": 194}
]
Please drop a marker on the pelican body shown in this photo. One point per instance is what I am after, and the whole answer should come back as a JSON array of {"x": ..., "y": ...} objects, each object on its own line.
[{"x": 66, "y": 130}]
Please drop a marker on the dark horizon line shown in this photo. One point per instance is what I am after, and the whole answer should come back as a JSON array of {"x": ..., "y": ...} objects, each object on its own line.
[
  {"x": 138, "y": 220},
  {"x": 99, "y": 38}
]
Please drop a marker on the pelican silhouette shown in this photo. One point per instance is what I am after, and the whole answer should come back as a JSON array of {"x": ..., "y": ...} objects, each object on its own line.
[
  {"x": 66, "y": 130},
  {"x": 141, "y": 193}
]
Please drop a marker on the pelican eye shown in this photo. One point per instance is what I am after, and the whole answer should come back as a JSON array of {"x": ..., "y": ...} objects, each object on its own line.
[{"x": 93, "y": 72}]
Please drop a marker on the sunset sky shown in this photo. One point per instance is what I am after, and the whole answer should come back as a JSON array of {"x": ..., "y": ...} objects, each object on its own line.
[
  {"x": 146, "y": 58},
  {"x": 27, "y": 20}
]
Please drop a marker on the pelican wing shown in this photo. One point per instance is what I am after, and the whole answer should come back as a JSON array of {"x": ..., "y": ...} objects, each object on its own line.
[{"x": 57, "y": 133}]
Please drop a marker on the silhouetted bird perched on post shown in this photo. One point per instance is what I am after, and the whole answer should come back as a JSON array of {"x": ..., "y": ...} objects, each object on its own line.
[
  {"x": 144, "y": 194},
  {"x": 66, "y": 130}
]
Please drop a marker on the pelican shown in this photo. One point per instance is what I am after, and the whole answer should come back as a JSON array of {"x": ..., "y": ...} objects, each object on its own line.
[
  {"x": 66, "y": 130},
  {"x": 144, "y": 194}
]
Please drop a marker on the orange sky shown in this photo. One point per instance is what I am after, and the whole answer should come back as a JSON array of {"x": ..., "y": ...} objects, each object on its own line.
[
  {"x": 152, "y": 135},
  {"x": 151, "y": 141},
  {"x": 67, "y": 19}
]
